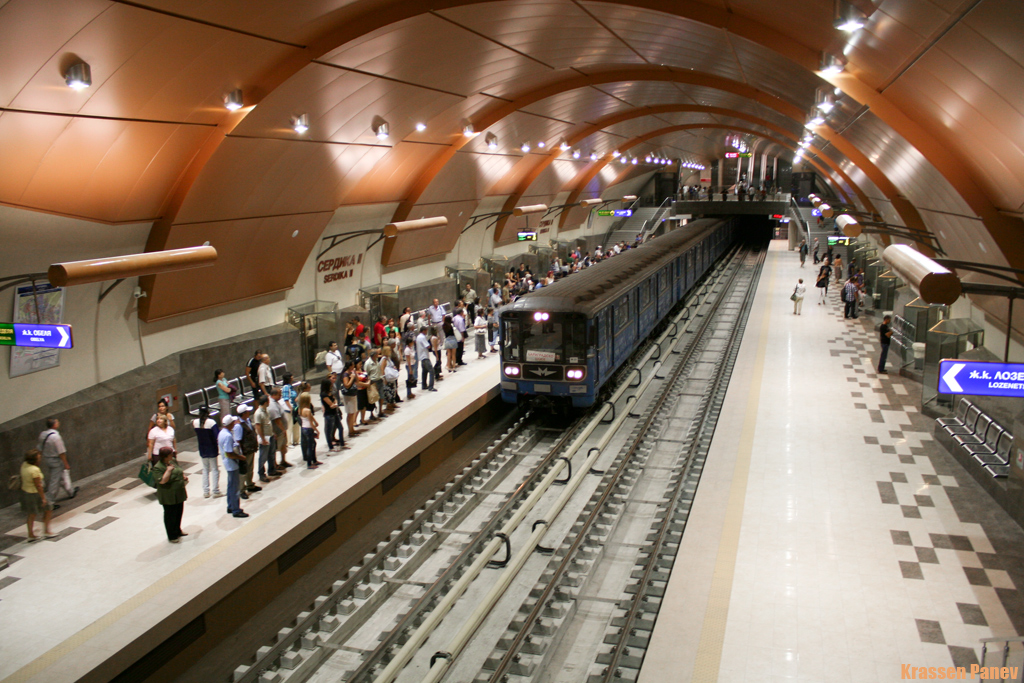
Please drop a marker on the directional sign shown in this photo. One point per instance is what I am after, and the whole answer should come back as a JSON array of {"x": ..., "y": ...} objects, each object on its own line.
[
  {"x": 737, "y": 155},
  {"x": 40, "y": 336},
  {"x": 980, "y": 378},
  {"x": 618, "y": 213},
  {"x": 527, "y": 236}
]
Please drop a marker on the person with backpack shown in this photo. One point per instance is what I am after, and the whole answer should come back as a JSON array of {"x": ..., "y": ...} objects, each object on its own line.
[
  {"x": 206, "y": 438},
  {"x": 249, "y": 445}
]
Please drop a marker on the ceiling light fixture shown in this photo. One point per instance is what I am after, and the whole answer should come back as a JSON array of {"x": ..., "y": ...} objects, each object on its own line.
[
  {"x": 233, "y": 100},
  {"x": 541, "y": 144},
  {"x": 826, "y": 103},
  {"x": 575, "y": 154},
  {"x": 615, "y": 154},
  {"x": 593, "y": 156},
  {"x": 525, "y": 147},
  {"x": 831, "y": 64},
  {"x": 78, "y": 76},
  {"x": 492, "y": 141},
  {"x": 381, "y": 130},
  {"x": 635, "y": 161},
  {"x": 848, "y": 17},
  {"x": 300, "y": 124},
  {"x": 564, "y": 146},
  {"x": 420, "y": 127},
  {"x": 469, "y": 131}
]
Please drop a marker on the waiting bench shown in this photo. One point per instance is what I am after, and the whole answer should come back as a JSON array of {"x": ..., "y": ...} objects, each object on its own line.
[
  {"x": 978, "y": 435},
  {"x": 207, "y": 396}
]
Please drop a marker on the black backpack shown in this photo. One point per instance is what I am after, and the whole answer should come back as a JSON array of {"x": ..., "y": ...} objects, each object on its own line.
[{"x": 249, "y": 444}]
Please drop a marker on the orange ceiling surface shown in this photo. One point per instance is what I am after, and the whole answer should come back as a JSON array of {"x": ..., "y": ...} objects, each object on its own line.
[{"x": 929, "y": 131}]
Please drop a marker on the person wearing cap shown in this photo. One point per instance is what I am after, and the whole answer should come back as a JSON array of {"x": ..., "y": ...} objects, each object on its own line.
[
  {"x": 230, "y": 455},
  {"x": 249, "y": 445}
]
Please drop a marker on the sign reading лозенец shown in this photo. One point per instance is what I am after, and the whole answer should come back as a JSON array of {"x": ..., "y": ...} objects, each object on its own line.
[
  {"x": 981, "y": 378},
  {"x": 37, "y": 335}
]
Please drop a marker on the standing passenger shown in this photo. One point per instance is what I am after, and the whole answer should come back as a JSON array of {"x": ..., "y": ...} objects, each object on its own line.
[
  {"x": 822, "y": 282},
  {"x": 309, "y": 431},
  {"x": 230, "y": 458},
  {"x": 171, "y": 493},
  {"x": 884, "y": 337},
  {"x": 55, "y": 458},
  {"x": 423, "y": 358},
  {"x": 206, "y": 438},
  {"x": 33, "y": 495},
  {"x": 798, "y": 296},
  {"x": 803, "y": 252}
]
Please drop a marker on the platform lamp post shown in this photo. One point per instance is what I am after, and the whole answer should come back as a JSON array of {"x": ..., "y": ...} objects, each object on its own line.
[{"x": 935, "y": 283}]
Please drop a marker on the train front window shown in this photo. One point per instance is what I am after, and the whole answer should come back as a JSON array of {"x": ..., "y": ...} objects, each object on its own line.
[
  {"x": 557, "y": 340},
  {"x": 542, "y": 341}
]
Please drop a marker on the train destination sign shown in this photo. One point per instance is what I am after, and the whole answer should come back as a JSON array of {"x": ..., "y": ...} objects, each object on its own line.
[
  {"x": 981, "y": 378},
  {"x": 37, "y": 335},
  {"x": 618, "y": 213}
]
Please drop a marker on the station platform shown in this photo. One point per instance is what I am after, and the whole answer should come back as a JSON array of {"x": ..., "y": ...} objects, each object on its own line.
[
  {"x": 109, "y": 595},
  {"x": 831, "y": 539}
]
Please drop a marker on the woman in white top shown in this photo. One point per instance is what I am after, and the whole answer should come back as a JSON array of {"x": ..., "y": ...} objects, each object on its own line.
[
  {"x": 798, "y": 296},
  {"x": 160, "y": 436},
  {"x": 163, "y": 411},
  {"x": 480, "y": 329}
]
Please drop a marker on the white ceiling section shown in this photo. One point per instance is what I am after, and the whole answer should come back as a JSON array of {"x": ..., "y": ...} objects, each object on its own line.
[{"x": 151, "y": 140}]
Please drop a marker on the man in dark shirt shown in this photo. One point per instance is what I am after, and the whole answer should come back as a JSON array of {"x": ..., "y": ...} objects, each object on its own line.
[
  {"x": 253, "y": 370},
  {"x": 884, "y": 336}
]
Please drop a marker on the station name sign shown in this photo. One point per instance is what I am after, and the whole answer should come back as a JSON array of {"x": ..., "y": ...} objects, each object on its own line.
[
  {"x": 36, "y": 335},
  {"x": 981, "y": 378},
  {"x": 618, "y": 213}
]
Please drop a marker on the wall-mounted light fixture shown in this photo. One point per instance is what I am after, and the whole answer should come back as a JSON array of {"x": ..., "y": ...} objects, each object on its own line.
[
  {"x": 233, "y": 100},
  {"x": 78, "y": 76}
]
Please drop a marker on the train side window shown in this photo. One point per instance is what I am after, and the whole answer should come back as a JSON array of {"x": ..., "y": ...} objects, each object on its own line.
[
  {"x": 622, "y": 315},
  {"x": 645, "y": 294},
  {"x": 664, "y": 278},
  {"x": 510, "y": 336}
]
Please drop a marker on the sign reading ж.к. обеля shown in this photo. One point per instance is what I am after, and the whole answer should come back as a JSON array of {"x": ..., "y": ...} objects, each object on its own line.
[
  {"x": 40, "y": 336},
  {"x": 981, "y": 378}
]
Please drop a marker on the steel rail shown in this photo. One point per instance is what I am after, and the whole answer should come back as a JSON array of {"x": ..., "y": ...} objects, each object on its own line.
[
  {"x": 731, "y": 347},
  {"x": 419, "y": 636},
  {"x": 535, "y": 613}
]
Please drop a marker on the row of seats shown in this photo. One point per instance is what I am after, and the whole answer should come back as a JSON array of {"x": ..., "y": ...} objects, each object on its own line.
[
  {"x": 243, "y": 392},
  {"x": 978, "y": 435}
]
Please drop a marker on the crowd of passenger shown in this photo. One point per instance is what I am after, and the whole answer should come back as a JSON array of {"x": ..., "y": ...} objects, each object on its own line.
[
  {"x": 830, "y": 270},
  {"x": 251, "y": 440}
]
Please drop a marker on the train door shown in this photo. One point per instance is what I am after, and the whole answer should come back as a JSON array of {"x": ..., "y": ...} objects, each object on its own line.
[{"x": 604, "y": 344}]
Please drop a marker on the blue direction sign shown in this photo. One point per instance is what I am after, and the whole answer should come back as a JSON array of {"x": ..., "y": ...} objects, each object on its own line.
[
  {"x": 980, "y": 378},
  {"x": 37, "y": 335}
]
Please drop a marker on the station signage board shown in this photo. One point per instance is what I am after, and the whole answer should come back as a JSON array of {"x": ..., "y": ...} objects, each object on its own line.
[
  {"x": 36, "y": 335},
  {"x": 737, "y": 155},
  {"x": 618, "y": 213},
  {"x": 981, "y": 378},
  {"x": 527, "y": 236},
  {"x": 839, "y": 241}
]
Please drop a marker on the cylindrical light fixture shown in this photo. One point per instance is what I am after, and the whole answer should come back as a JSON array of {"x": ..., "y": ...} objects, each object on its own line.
[
  {"x": 932, "y": 282},
  {"x": 849, "y": 225},
  {"x": 528, "y": 209},
  {"x": 78, "y": 76},
  {"x": 233, "y": 100},
  {"x": 629, "y": 198},
  {"x": 591, "y": 202},
  {"x": 392, "y": 229},
  {"x": 826, "y": 210},
  {"x": 130, "y": 265},
  {"x": 468, "y": 130}
]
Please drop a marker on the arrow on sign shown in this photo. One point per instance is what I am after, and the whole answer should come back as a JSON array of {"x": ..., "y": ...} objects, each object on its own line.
[
  {"x": 65, "y": 338},
  {"x": 950, "y": 378}
]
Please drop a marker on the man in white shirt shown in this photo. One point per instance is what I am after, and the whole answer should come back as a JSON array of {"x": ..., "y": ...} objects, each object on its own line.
[
  {"x": 266, "y": 377},
  {"x": 436, "y": 314},
  {"x": 335, "y": 362},
  {"x": 423, "y": 358},
  {"x": 470, "y": 299}
]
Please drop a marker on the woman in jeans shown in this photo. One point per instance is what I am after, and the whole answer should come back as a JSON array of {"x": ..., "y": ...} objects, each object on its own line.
[
  {"x": 170, "y": 491},
  {"x": 309, "y": 430},
  {"x": 206, "y": 439}
]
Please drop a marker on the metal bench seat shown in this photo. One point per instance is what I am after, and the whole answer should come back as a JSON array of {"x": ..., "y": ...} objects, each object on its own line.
[
  {"x": 981, "y": 430},
  {"x": 970, "y": 420},
  {"x": 957, "y": 419},
  {"x": 990, "y": 445},
  {"x": 194, "y": 400},
  {"x": 998, "y": 471}
]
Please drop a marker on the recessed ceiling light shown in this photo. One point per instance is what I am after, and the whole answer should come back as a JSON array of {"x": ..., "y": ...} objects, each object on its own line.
[
  {"x": 421, "y": 126},
  {"x": 78, "y": 76},
  {"x": 233, "y": 100},
  {"x": 300, "y": 124}
]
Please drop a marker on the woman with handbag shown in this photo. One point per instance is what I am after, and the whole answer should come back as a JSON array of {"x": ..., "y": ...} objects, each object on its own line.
[
  {"x": 798, "y": 296},
  {"x": 225, "y": 392},
  {"x": 350, "y": 397},
  {"x": 390, "y": 386},
  {"x": 170, "y": 491},
  {"x": 451, "y": 343}
]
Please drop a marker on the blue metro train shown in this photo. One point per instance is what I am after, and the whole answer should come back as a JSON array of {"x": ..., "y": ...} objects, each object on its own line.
[{"x": 566, "y": 340}]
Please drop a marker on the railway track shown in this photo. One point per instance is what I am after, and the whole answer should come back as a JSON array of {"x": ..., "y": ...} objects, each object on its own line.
[{"x": 472, "y": 555}]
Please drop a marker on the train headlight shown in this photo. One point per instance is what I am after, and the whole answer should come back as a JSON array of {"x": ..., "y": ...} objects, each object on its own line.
[
  {"x": 541, "y": 317},
  {"x": 575, "y": 374},
  {"x": 512, "y": 370}
]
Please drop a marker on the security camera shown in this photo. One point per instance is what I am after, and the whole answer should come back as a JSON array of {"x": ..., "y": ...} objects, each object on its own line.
[{"x": 138, "y": 293}]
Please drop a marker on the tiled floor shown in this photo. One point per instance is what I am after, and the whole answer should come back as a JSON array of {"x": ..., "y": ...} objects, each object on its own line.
[
  {"x": 111, "y": 555},
  {"x": 862, "y": 544}
]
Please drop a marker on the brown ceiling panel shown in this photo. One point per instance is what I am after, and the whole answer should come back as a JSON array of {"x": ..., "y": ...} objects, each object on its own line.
[
  {"x": 408, "y": 51},
  {"x": 25, "y": 140},
  {"x": 554, "y": 32},
  {"x": 148, "y": 65},
  {"x": 581, "y": 104},
  {"x": 254, "y": 177},
  {"x": 468, "y": 175},
  {"x": 663, "y": 39},
  {"x": 29, "y": 38},
  {"x": 104, "y": 163},
  {"x": 241, "y": 246},
  {"x": 393, "y": 175},
  {"x": 513, "y": 130}
]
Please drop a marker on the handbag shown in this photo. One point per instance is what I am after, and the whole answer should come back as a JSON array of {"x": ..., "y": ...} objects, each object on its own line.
[
  {"x": 146, "y": 474},
  {"x": 792, "y": 297},
  {"x": 372, "y": 395},
  {"x": 14, "y": 483},
  {"x": 458, "y": 335}
]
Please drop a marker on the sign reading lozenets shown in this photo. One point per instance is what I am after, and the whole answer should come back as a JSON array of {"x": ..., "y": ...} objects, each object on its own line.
[
  {"x": 981, "y": 378},
  {"x": 37, "y": 335}
]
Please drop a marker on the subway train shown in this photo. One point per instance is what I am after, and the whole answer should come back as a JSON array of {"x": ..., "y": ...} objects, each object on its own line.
[{"x": 566, "y": 340}]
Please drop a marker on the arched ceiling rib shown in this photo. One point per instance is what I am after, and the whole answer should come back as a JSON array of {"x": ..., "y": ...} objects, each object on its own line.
[{"x": 152, "y": 139}]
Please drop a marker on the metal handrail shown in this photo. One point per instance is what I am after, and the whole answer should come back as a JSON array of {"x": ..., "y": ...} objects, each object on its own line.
[{"x": 1005, "y": 640}]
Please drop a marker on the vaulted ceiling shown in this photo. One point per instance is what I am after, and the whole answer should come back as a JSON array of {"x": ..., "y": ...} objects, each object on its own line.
[{"x": 929, "y": 130}]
